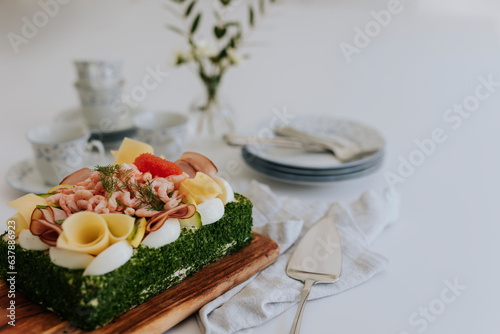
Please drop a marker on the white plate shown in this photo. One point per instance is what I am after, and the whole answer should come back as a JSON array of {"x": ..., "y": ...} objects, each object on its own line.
[
  {"x": 360, "y": 135},
  {"x": 314, "y": 180},
  {"x": 24, "y": 176}
]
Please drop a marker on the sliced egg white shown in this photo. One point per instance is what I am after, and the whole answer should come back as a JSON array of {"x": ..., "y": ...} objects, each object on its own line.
[
  {"x": 29, "y": 241},
  {"x": 169, "y": 232},
  {"x": 110, "y": 259},
  {"x": 69, "y": 259},
  {"x": 227, "y": 191},
  {"x": 210, "y": 210}
]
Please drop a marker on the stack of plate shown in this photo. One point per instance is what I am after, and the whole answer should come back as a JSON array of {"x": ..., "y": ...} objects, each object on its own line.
[{"x": 314, "y": 168}]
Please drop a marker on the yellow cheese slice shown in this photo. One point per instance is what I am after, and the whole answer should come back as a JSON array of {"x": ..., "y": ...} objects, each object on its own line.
[
  {"x": 131, "y": 149},
  {"x": 26, "y": 204},
  {"x": 201, "y": 188},
  {"x": 120, "y": 226},
  {"x": 19, "y": 223},
  {"x": 84, "y": 232},
  {"x": 113, "y": 153}
]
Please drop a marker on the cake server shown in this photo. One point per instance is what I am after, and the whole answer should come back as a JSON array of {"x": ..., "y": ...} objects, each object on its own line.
[{"x": 317, "y": 259}]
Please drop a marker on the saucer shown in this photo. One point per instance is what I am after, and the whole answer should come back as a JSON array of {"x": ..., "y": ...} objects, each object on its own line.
[
  {"x": 24, "y": 176},
  {"x": 75, "y": 115},
  {"x": 110, "y": 138}
]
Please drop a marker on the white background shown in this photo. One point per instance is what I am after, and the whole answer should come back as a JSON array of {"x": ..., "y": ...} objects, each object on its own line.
[{"x": 428, "y": 58}]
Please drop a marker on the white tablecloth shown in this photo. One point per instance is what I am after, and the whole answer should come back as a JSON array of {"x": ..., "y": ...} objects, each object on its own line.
[{"x": 443, "y": 274}]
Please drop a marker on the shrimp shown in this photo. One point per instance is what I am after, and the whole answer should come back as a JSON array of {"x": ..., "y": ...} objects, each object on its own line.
[
  {"x": 142, "y": 212},
  {"x": 54, "y": 199},
  {"x": 83, "y": 183},
  {"x": 177, "y": 179},
  {"x": 102, "y": 207},
  {"x": 129, "y": 211},
  {"x": 67, "y": 191},
  {"x": 68, "y": 204},
  {"x": 99, "y": 188},
  {"x": 82, "y": 204},
  {"x": 112, "y": 203},
  {"x": 124, "y": 198},
  {"x": 83, "y": 195},
  {"x": 147, "y": 177},
  {"x": 174, "y": 200},
  {"x": 164, "y": 189},
  {"x": 134, "y": 173},
  {"x": 96, "y": 200}
]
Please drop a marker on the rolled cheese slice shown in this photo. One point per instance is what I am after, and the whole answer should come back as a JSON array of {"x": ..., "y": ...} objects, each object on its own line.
[
  {"x": 120, "y": 226},
  {"x": 84, "y": 232}
]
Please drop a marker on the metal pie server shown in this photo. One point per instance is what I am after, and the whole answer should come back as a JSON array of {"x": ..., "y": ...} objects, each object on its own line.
[{"x": 317, "y": 259}]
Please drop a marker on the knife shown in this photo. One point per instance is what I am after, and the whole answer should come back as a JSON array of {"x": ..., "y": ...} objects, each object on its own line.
[{"x": 317, "y": 259}]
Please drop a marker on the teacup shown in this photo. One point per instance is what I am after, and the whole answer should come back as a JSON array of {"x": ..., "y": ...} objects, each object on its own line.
[
  {"x": 99, "y": 97},
  {"x": 102, "y": 107},
  {"x": 60, "y": 149},
  {"x": 165, "y": 131},
  {"x": 99, "y": 72}
]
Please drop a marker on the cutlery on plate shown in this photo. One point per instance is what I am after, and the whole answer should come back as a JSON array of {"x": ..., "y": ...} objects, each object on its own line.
[
  {"x": 317, "y": 259},
  {"x": 234, "y": 139},
  {"x": 343, "y": 149}
]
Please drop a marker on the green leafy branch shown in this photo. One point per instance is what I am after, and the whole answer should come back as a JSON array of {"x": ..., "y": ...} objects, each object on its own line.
[{"x": 213, "y": 59}]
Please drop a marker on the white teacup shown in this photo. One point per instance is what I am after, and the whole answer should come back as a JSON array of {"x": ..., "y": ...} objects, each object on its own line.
[
  {"x": 99, "y": 72},
  {"x": 103, "y": 108},
  {"x": 61, "y": 149},
  {"x": 166, "y": 131}
]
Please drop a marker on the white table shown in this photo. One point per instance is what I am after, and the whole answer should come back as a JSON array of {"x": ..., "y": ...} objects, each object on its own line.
[{"x": 427, "y": 58}]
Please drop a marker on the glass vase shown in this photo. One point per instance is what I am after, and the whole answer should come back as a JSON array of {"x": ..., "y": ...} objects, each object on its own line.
[{"x": 211, "y": 116}]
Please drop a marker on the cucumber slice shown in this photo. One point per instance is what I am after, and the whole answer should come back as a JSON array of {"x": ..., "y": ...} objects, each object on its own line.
[
  {"x": 46, "y": 195},
  {"x": 194, "y": 221},
  {"x": 138, "y": 234}
]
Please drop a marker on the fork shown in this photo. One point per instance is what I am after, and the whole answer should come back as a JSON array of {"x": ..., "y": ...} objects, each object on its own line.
[{"x": 343, "y": 149}]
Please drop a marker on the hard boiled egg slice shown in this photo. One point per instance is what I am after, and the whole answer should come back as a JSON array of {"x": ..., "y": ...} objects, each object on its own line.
[
  {"x": 211, "y": 211},
  {"x": 69, "y": 259},
  {"x": 29, "y": 241},
  {"x": 169, "y": 232},
  {"x": 227, "y": 191},
  {"x": 110, "y": 259}
]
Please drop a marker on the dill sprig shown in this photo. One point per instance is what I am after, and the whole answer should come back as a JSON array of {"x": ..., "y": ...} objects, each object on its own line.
[
  {"x": 113, "y": 178},
  {"x": 146, "y": 196}
]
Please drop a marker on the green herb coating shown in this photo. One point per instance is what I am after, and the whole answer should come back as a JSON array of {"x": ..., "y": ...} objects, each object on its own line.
[{"x": 89, "y": 302}]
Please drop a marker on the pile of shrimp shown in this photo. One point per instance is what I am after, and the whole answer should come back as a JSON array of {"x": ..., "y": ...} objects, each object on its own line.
[{"x": 90, "y": 195}]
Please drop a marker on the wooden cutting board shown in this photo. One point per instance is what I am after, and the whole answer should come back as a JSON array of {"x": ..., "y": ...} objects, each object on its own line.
[{"x": 160, "y": 312}]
